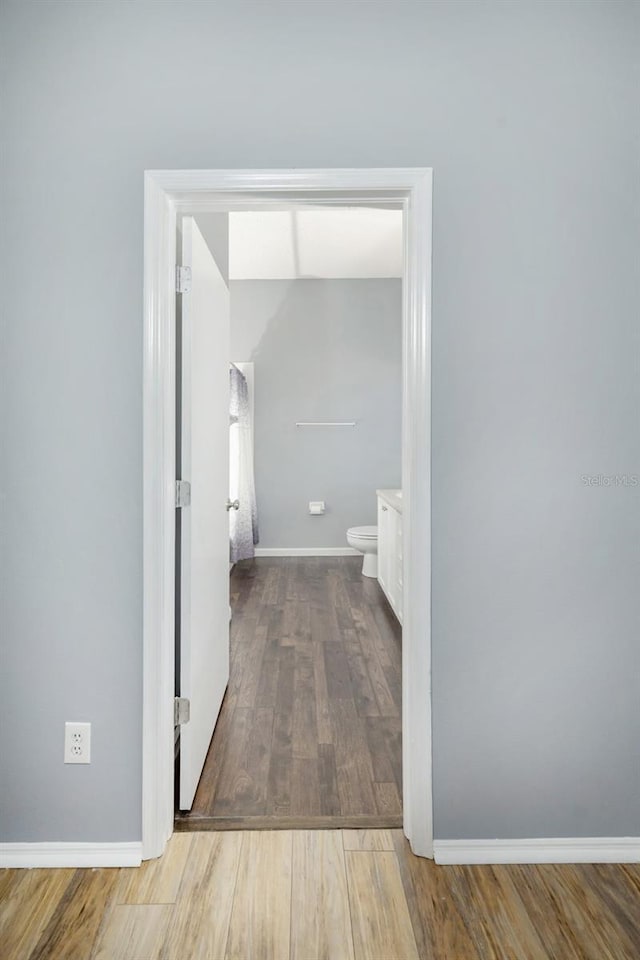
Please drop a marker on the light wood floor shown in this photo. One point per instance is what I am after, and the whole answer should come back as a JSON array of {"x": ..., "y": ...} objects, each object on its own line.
[
  {"x": 318, "y": 895},
  {"x": 310, "y": 730}
]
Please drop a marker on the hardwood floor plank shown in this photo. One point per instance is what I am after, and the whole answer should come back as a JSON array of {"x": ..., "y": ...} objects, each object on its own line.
[
  {"x": 238, "y": 651},
  {"x": 303, "y": 581},
  {"x": 623, "y": 903},
  {"x": 323, "y": 709},
  {"x": 384, "y": 698},
  {"x": 351, "y": 568},
  {"x": 377, "y": 634},
  {"x": 254, "y": 795},
  {"x": 280, "y": 766},
  {"x": 261, "y": 914},
  {"x": 365, "y": 699},
  {"x": 275, "y": 639},
  {"x": 632, "y": 874},
  {"x": 387, "y": 798},
  {"x": 251, "y": 669},
  {"x": 343, "y": 613},
  {"x": 585, "y": 905},
  {"x": 499, "y": 921},
  {"x": 199, "y": 927},
  {"x": 258, "y": 754},
  {"x": 305, "y": 788},
  {"x": 508, "y": 915},
  {"x": 250, "y": 770},
  {"x": 392, "y": 738},
  {"x": 338, "y": 578},
  {"x": 327, "y": 775},
  {"x": 471, "y": 906},
  {"x": 297, "y": 620},
  {"x": 156, "y": 881},
  {"x": 389, "y": 631},
  {"x": 9, "y": 878},
  {"x": 353, "y": 760},
  {"x": 267, "y": 692},
  {"x": 284, "y": 694},
  {"x": 270, "y": 586},
  {"x": 375, "y": 731},
  {"x": 325, "y": 626},
  {"x": 208, "y": 785},
  {"x": 304, "y": 728},
  {"x": 394, "y": 684},
  {"x": 319, "y": 878},
  {"x": 379, "y": 914},
  {"x": 72, "y": 928},
  {"x": 367, "y": 840},
  {"x": 438, "y": 926},
  {"x": 384, "y": 739},
  {"x": 337, "y": 672},
  {"x": 27, "y": 905},
  {"x": 134, "y": 932},
  {"x": 542, "y": 907},
  {"x": 234, "y": 782},
  {"x": 291, "y": 578}
]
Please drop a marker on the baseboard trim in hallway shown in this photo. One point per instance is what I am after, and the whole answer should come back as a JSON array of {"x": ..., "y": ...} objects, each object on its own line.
[
  {"x": 70, "y": 854},
  {"x": 533, "y": 850},
  {"x": 184, "y": 824},
  {"x": 307, "y": 552}
]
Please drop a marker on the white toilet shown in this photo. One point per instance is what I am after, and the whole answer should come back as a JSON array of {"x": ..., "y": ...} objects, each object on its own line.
[{"x": 365, "y": 540}]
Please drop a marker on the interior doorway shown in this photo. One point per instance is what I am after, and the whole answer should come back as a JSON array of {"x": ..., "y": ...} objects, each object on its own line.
[
  {"x": 167, "y": 196},
  {"x": 309, "y": 733}
]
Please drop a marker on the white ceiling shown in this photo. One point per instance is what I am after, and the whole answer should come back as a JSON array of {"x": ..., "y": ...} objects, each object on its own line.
[{"x": 335, "y": 242}]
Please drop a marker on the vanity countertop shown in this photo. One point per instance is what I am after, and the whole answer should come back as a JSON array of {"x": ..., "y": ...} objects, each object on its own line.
[{"x": 391, "y": 497}]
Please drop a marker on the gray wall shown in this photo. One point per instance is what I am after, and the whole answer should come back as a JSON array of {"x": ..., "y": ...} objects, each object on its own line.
[
  {"x": 528, "y": 114},
  {"x": 323, "y": 350},
  {"x": 214, "y": 227}
]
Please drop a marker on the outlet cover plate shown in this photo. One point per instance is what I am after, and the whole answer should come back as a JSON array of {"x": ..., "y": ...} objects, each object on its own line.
[{"x": 77, "y": 742}]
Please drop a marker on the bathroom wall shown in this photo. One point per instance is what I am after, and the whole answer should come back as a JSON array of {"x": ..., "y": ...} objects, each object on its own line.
[
  {"x": 323, "y": 350},
  {"x": 527, "y": 113},
  {"x": 214, "y": 227}
]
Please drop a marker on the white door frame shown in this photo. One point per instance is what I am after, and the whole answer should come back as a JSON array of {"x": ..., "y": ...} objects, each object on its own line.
[{"x": 169, "y": 193}]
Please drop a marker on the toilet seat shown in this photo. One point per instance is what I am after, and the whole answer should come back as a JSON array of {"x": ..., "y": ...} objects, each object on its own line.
[{"x": 364, "y": 533}]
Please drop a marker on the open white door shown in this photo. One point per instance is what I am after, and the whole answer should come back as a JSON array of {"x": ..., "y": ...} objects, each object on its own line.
[{"x": 204, "y": 541}]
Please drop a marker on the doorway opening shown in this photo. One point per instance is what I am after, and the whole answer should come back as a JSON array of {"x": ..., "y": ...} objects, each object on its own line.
[
  {"x": 309, "y": 731},
  {"x": 317, "y": 586}
]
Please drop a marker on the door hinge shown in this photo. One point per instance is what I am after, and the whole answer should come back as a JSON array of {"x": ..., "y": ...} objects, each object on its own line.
[
  {"x": 183, "y": 493},
  {"x": 183, "y": 279},
  {"x": 181, "y": 711}
]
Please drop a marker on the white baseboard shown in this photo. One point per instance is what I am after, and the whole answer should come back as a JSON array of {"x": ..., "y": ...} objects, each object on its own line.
[
  {"x": 555, "y": 850},
  {"x": 307, "y": 552},
  {"x": 71, "y": 854}
]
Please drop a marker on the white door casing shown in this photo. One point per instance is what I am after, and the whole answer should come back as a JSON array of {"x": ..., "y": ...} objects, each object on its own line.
[
  {"x": 204, "y": 541},
  {"x": 167, "y": 193}
]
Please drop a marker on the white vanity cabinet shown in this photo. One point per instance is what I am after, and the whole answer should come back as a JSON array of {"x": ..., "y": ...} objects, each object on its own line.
[{"x": 390, "y": 547}]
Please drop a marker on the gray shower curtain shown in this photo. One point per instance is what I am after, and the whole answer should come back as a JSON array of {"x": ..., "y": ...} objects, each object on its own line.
[{"x": 243, "y": 523}]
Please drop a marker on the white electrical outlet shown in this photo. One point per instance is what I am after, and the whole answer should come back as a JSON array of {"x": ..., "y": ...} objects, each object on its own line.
[{"x": 77, "y": 742}]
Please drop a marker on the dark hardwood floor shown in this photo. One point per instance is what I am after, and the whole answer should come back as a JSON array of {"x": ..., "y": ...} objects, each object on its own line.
[{"x": 309, "y": 733}]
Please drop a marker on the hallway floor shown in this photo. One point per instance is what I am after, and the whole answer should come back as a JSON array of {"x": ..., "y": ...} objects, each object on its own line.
[
  {"x": 318, "y": 895},
  {"x": 309, "y": 733}
]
